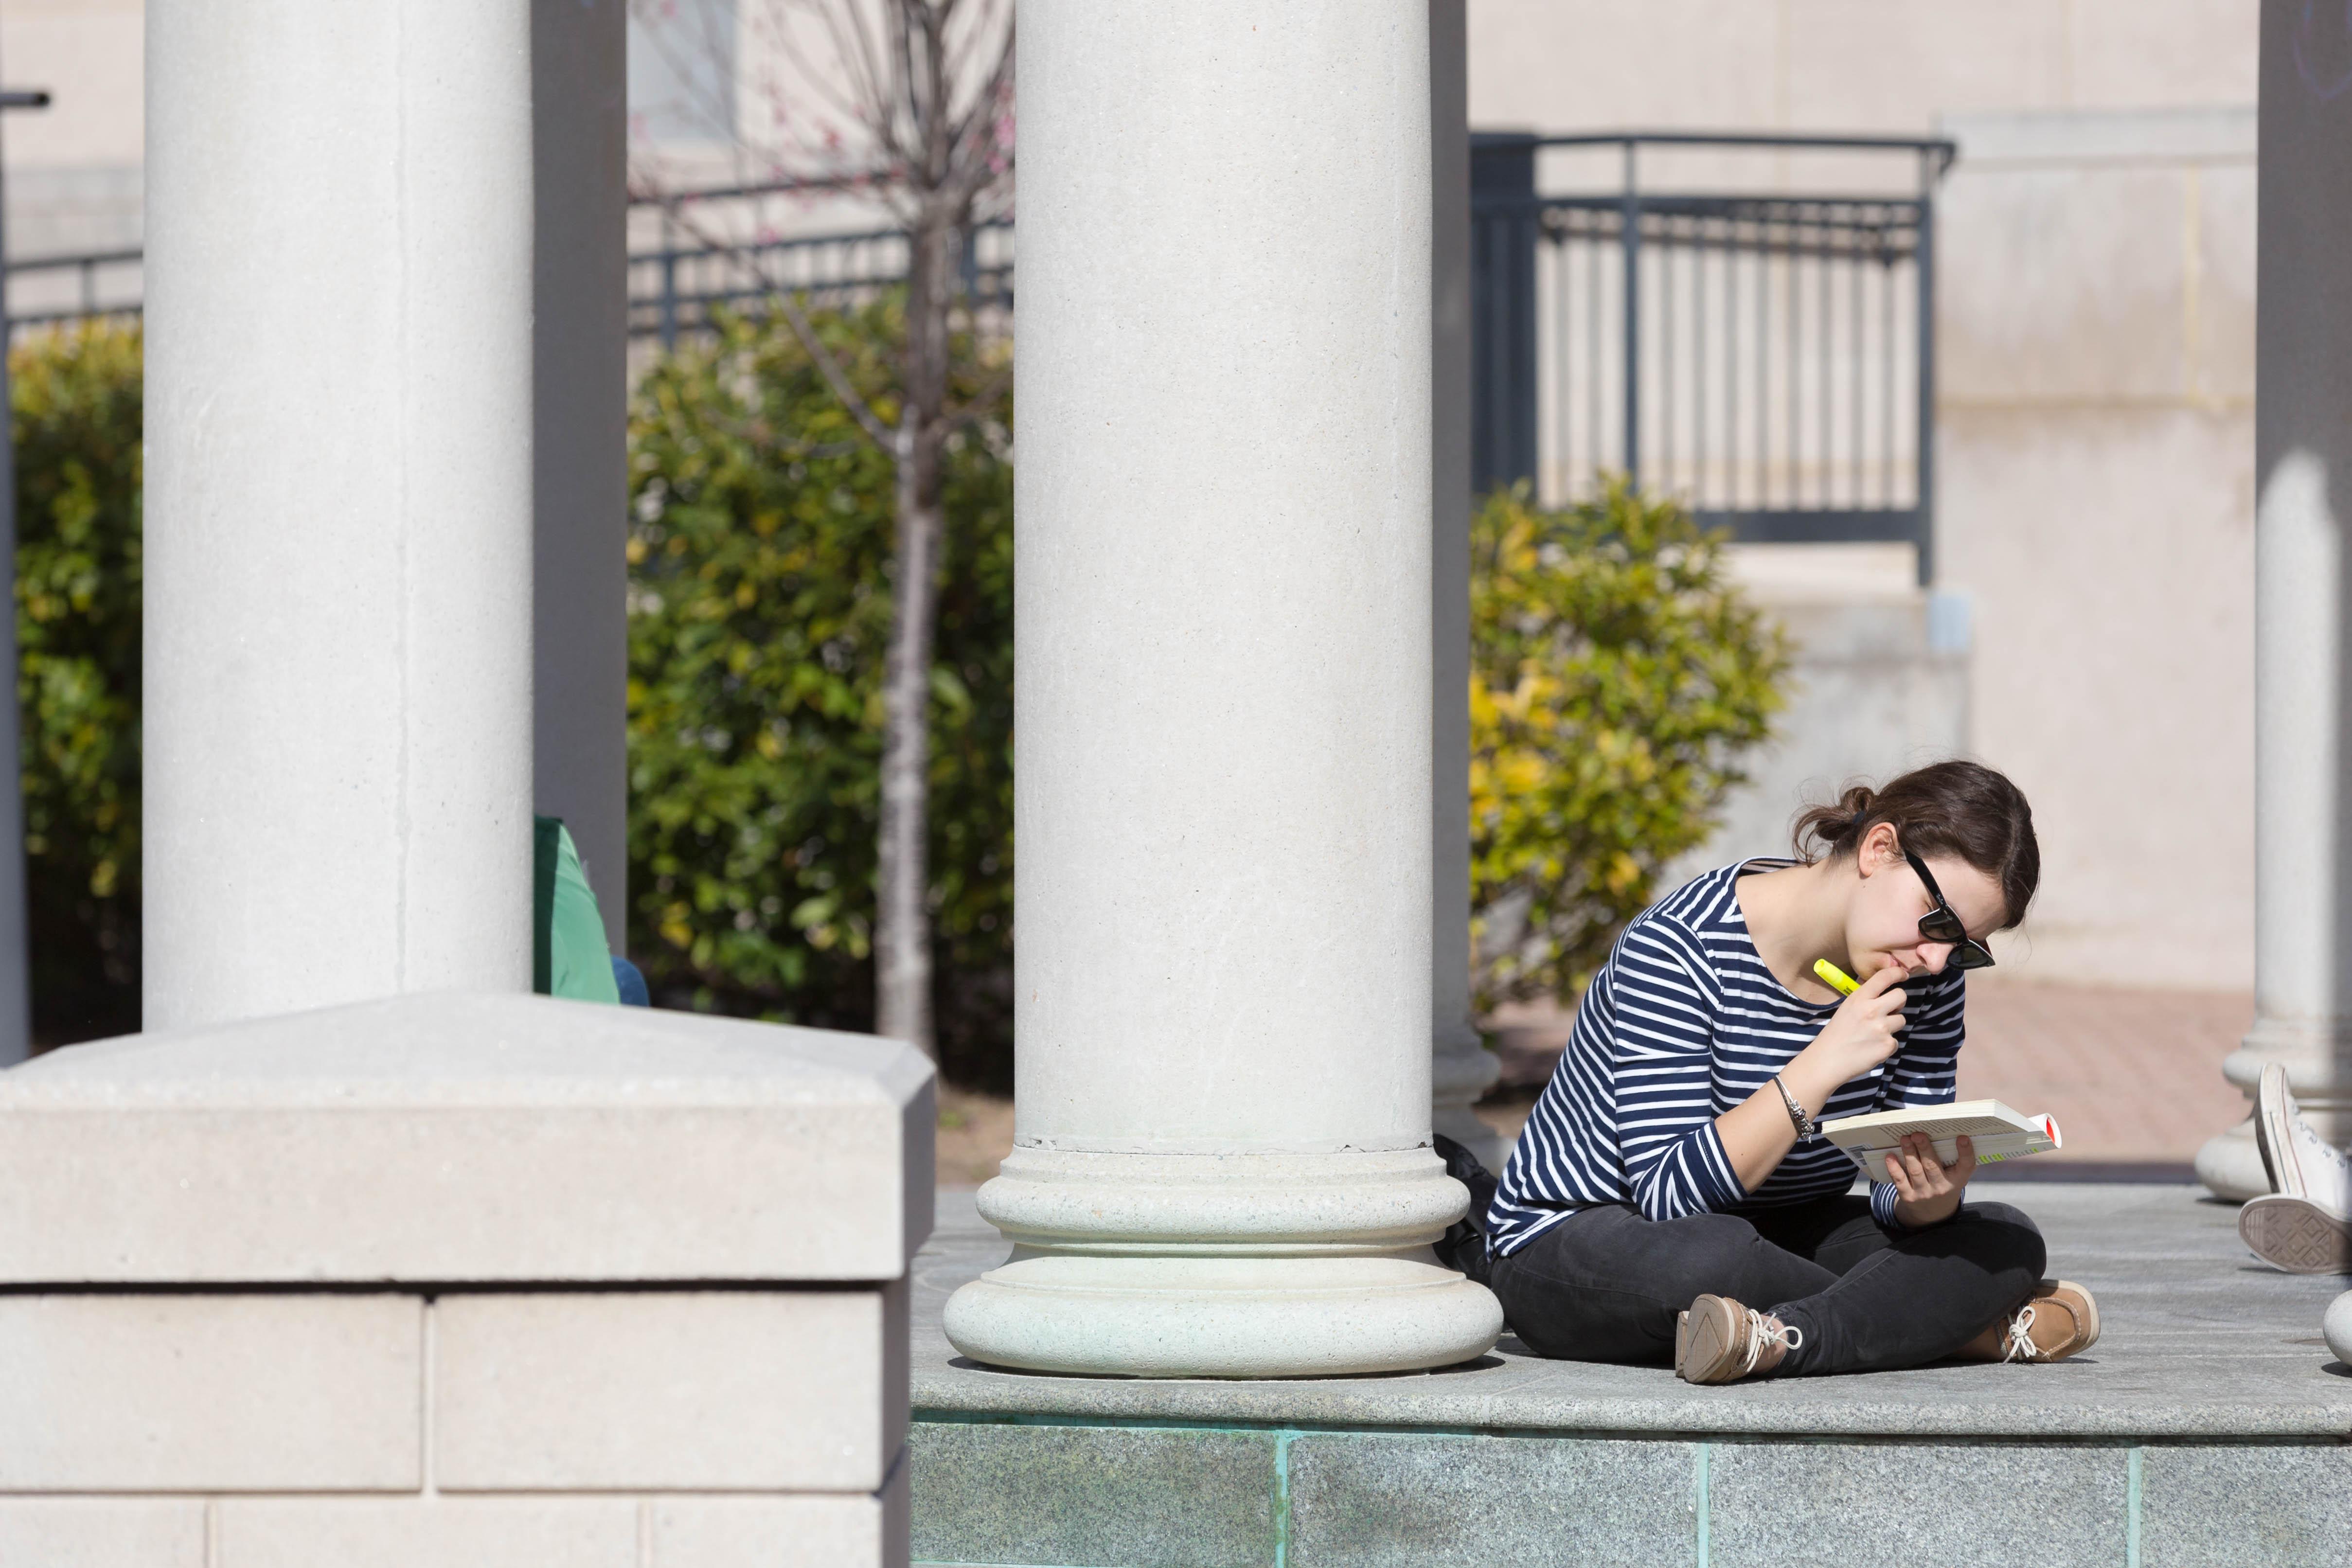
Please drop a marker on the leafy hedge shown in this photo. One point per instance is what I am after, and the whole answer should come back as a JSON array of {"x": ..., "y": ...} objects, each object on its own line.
[
  {"x": 76, "y": 410},
  {"x": 760, "y": 547},
  {"x": 1617, "y": 678}
]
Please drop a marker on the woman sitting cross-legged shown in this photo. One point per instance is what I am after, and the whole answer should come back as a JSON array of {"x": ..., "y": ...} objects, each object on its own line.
[{"x": 1670, "y": 1198}]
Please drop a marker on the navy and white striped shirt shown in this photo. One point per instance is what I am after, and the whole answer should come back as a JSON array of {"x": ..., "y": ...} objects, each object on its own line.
[{"x": 1681, "y": 1024}]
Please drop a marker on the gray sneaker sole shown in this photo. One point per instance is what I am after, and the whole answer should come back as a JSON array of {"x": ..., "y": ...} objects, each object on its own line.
[{"x": 2296, "y": 1235}]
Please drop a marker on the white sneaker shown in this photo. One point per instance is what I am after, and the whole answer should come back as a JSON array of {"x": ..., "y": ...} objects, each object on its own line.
[
  {"x": 2305, "y": 1226},
  {"x": 2300, "y": 1162},
  {"x": 2296, "y": 1235}
]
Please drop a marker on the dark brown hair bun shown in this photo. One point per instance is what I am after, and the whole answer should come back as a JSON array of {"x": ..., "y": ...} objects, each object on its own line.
[{"x": 1964, "y": 811}]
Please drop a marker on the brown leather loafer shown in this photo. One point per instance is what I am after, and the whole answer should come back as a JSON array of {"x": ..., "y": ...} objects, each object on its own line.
[
  {"x": 2061, "y": 1320},
  {"x": 1719, "y": 1341}
]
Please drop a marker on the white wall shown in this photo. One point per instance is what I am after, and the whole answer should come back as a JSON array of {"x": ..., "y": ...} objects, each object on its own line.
[
  {"x": 73, "y": 169},
  {"x": 2096, "y": 429},
  {"x": 2095, "y": 330},
  {"x": 1845, "y": 65}
]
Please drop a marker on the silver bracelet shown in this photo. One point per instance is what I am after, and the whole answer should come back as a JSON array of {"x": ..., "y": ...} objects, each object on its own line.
[{"x": 1805, "y": 1125}]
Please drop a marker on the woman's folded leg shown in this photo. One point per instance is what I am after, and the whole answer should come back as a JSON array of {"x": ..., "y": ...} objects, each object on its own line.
[
  {"x": 1605, "y": 1283},
  {"x": 1903, "y": 1299}
]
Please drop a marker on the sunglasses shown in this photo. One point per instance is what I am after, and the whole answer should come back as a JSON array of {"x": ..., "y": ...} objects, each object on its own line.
[{"x": 1940, "y": 924}]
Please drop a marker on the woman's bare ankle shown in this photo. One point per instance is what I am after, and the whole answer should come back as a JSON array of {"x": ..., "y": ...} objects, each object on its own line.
[{"x": 1985, "y": 1346}]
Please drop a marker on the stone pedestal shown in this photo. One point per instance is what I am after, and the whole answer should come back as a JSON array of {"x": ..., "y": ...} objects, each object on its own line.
[
  {"x": 1221, "y": 1164},
  {"x": 339, "y": 498},
  {"x": 2303, "y": 690},
  {"x": 448, "y": 1281}
]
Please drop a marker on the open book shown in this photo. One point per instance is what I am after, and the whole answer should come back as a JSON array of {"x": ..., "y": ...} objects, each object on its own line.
[{"x": 1998, "y": 1132}]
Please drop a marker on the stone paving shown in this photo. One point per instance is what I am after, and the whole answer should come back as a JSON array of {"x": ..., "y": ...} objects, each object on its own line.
[
  {"x": 2134, "y": 1076},
  {"x": 2211, "y": 1424}
]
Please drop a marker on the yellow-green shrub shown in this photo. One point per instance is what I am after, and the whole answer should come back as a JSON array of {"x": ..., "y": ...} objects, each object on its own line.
[
  {"x": 1617, "y": 680},
  {"x": 761, "y": 548},
  {"x": 76, "y": 416}
]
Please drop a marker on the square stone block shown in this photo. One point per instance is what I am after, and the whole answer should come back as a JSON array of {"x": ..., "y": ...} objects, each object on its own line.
[
  {"x": 2254, "y": 1506},
  {"x": 442, "y": 1139},
  {"x": 1871, "y": 1504},
  {"x": 1107, "y": 1497},
  {"x": 211, "y": 1393},
  {"x": 420, "y": 1532},
  {"x": 784, "y": 1532},
  {"x": 101, "y": 1532},
  {"x": 1375, "y": 1501},
  {"x": 697, "y": 1391}
]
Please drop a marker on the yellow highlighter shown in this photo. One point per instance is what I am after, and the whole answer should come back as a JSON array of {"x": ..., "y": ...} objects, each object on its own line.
[{"x": 1836, "y": 979}]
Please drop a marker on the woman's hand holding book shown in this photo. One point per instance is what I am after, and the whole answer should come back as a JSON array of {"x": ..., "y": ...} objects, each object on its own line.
[{"x": 1928, "y": 1190}]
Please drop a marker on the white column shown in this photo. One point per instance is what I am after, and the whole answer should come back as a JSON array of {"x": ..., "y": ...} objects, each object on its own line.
[
  {"x": 1222, "y": 1162},
  {"x": 1461, "y": 1069},
  {"x": 2303, "y": 699},
  {"x": 581, "y": 671},
  {"x": 338, "y": 670}
]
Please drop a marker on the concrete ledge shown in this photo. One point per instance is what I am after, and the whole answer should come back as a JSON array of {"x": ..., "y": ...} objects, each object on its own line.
[
  {"x": 1094, "y": 1495},
  {"x": 456, "y": 1139},
  {"x": 2201, "y": 1342},
  {"x": 2209, "y": 1425}
]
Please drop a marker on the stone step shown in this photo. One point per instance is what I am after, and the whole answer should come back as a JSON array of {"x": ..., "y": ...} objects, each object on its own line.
[{"x": 2209, "y": 1425}]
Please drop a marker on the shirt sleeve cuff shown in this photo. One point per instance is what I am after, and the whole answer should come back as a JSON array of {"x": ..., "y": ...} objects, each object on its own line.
[{"x": 1710, "y": 1166}]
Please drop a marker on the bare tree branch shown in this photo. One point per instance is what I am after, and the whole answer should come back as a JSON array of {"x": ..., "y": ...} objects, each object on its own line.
[
  {"x": 920, "y": 82},
  {"x": 977, "y": 406},
  {"x": 881, "y": 434},
  {"x": 827, "y": 366}
]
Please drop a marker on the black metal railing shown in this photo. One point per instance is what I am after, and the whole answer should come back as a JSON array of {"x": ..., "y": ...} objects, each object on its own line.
[
  {"x": 710, "y": 252},
  {"x": 49, "y": 290},
  {"x": 1767, "y": 357},
  {"x": 674, "y": 288}
]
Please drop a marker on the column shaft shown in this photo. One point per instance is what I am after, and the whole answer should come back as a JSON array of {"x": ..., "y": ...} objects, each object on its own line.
[
  {"x": 338, "y": 679},
  {"x": 1461, "y": 1069},
  {"x": 1222, "y": 1162},
  {"x": 581, "y": 436},
  {"x": 2302, "y": 647}
]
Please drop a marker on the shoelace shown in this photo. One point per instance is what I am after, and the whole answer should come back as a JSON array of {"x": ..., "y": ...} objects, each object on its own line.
[
  {"x": 1760, "y": 1335},
  {"x": 2019, "y": 1343}
]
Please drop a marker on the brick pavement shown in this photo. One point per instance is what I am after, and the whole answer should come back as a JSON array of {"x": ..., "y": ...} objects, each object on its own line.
[{"x": 2132, "y": 1076}]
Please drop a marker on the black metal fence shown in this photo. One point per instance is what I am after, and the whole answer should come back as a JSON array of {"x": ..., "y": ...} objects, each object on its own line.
[
  {"x": 1768, "y": 358},
  {"x": 712, "y": 249},
  {"x": 715, "y": 249},
  {"x": 44, "y": 292}
]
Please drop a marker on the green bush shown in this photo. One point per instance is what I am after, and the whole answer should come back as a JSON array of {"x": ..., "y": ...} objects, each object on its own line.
[
  {"x": 760, "y": 547},
  {"x": 1617, "y": 678},
  {"x": 75, "y": 398}
]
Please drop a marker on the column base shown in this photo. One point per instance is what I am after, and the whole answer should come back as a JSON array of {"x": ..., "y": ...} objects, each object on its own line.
[
  {"x": 2317, "y": 1055},
  {"x": 1231, "y": 1265},
  {"x": 2336, "y": 1327},
  {"x": 2230, "y": 1166},
  {"x": 1046, "y": 1311}
]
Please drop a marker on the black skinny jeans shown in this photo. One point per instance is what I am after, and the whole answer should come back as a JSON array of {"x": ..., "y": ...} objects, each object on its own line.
[{"x": 1605, "y": 1283}]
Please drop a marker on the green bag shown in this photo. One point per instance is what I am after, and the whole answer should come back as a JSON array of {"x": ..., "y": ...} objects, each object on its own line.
[{"x": 568, "y": 955}]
